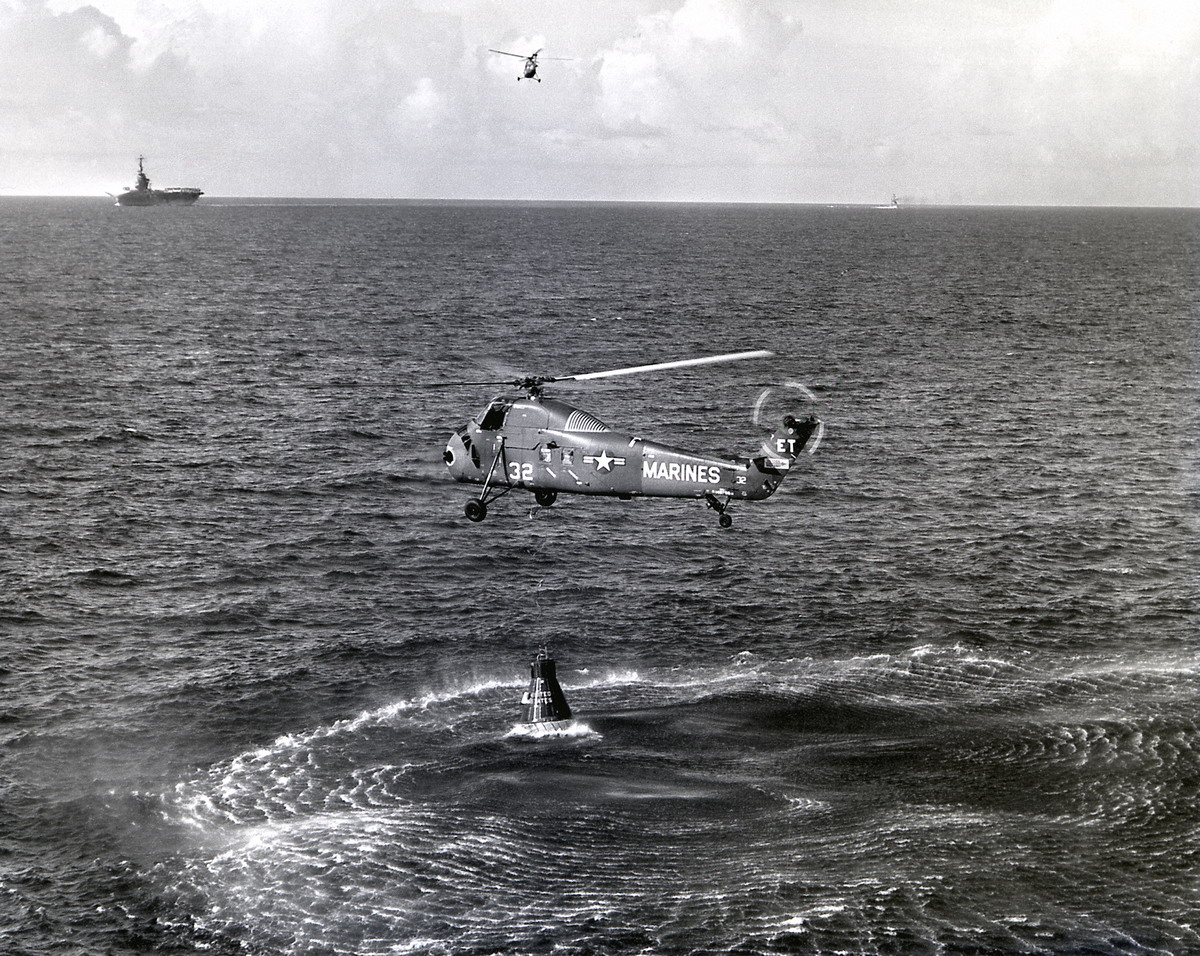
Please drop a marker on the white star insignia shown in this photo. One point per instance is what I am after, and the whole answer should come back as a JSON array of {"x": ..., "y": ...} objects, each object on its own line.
[{"x": 604, "y": 461}]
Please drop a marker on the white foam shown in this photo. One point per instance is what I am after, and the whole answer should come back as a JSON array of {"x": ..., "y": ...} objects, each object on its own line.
[
  {"x": 571, "y": 728},
  {"x": 805, "y": 804},
  {"x": 815, "y": 912},
  {"x": 611, "y": 679}
]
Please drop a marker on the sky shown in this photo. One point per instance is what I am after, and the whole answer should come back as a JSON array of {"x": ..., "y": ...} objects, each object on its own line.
[{"x": 1026, "y": 102}]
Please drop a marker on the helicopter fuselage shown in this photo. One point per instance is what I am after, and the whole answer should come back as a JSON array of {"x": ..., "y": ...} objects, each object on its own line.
[{"x": 549, "y": 447}]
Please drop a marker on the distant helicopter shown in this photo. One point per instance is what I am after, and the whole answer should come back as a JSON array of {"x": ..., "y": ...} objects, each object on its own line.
[
  {"x": 549, "y": 447},
  {"x": 531, "y": 62}
]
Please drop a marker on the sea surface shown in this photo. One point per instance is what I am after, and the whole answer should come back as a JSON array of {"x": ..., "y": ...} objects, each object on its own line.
[{"x": 260, "y": 677}]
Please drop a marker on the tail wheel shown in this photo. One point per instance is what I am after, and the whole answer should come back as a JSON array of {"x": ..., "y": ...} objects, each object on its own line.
[
  {"x": 725, "y": 521},
  {"x": 545, "y": 498},
  {"x": 476, "y": 510}
]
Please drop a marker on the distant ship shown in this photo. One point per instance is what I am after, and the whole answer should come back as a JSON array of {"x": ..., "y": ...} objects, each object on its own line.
[
  {"x": 143, "y": 195},
  {"x": 894, "y": 204}
]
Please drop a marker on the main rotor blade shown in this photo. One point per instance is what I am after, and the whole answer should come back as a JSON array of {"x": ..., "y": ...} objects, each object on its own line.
[
  {"x": 636, "y": 369},
  {"x": 536, "y": 381},
  {"x": 507, "y": 381},
  {"x": 506, "y": 53}
]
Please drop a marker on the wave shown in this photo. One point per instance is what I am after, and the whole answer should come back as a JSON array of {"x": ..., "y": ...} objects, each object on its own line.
[
  {"x": 931, "y": 697},
  {"x": 881, "y": 695},
  {"x": 107, "y": 577}
]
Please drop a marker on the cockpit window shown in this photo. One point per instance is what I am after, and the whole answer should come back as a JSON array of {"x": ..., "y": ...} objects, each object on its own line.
[{"x": 493, "y": 416}]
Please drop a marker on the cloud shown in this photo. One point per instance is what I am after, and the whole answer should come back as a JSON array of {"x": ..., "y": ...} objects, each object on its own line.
[
  {"x": 708, "y": 68},
  {"x": 57, "y": 60},
  {"x": 74, "y": 89},
  {"x": 424, "y": 106},
  {"x": 721, "y": 99}
]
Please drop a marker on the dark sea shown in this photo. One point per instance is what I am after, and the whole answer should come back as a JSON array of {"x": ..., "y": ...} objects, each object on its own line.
[{"x": 260, "y": 678}]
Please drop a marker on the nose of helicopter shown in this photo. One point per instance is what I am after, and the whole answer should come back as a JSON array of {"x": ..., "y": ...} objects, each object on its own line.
[{"x": 462, "y": 464}]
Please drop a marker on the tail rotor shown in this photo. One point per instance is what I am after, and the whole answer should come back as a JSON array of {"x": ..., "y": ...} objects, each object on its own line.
[{"x": 802, "y": 430}]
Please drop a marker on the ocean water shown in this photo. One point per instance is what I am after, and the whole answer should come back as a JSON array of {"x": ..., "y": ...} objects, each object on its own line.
[{"x": 260, "y": 678}]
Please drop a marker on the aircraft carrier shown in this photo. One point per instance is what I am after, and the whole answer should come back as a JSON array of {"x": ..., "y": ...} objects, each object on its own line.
[{"x": 143, "y": 195}]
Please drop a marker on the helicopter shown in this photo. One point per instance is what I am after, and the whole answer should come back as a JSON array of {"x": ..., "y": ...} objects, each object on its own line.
[
  {"x": 531, "y": 62},
  {"x": 536, "y": 443}
]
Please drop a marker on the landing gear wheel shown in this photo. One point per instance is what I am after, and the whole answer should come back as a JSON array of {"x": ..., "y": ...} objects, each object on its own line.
[
  {"x": 545, "y": 498},
  {"x": 476, "y": 510},
  {"x": 719, "y": 505}
]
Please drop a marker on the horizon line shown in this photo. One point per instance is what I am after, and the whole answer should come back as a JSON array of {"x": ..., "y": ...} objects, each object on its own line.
[{"x": 381, "y": 200}]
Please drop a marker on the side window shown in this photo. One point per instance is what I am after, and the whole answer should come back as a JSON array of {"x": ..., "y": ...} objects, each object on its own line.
[
  {"x": 546, "y": 455},
  {"x": 470, "y": 447},
  {"x": 568, "y": 456}
]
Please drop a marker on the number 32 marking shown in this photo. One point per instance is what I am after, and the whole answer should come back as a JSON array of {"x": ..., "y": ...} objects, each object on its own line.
[{"x": 520, "y": 471}]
